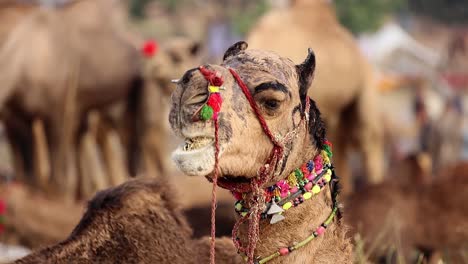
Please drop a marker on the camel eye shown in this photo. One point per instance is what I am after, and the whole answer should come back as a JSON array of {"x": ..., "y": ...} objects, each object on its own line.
[{"x": 271, "y": 104}]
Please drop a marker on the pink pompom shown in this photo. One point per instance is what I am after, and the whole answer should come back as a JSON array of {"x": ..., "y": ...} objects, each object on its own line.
[
  {"x": 318, "y": 161},
  {"x": 284, "y": 188},
  {"x": 284, "y": 251},
  {"x": 320, "y": 230},
  {"x": 2, "y": 207},
  {"x": 237, "y": 195}
]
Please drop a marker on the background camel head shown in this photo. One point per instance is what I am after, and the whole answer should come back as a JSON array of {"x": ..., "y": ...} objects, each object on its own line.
[
  {"x": 177, "y": 55},
  {"x": 278, "y": 87}
]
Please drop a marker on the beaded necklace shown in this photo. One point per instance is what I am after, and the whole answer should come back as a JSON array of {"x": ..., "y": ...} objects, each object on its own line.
[
  {"x": 300, "y": 185},
  {"x": 286, "y": 250}
]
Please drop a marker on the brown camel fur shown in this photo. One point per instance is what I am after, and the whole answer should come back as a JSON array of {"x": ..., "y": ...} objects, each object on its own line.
[
  {"x": 139, "y": 220},
  {"x": 343, "y": 87},
  {"x": 136, "y": 222},
  {"x": 411, "y": 211}
]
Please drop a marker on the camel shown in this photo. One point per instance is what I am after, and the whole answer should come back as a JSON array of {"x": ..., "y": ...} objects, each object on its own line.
[
  {"x": 138, "y": 221},
  {"x": 343, "y": 88},
  {"x": 48, "y": 87},
  {"x": 410, "y": 212}
]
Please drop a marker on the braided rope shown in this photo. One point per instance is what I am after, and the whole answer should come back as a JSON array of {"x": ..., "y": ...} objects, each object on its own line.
[
  {"x": 264, "y": 174},
  {"x": 216, "y": 79}
]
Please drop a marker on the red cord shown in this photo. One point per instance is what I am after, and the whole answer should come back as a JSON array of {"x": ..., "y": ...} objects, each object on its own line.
[
  {"x": 254, "y": 106},
  {"x": 215, "y": 79},
  {"x": 265, "y": 173},
  {"x": 213, "y": 196}
]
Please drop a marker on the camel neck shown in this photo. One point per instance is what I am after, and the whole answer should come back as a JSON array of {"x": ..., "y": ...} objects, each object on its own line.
[
  {"x": 290, "y": 228},
  {"x": 298, "y": 226}
]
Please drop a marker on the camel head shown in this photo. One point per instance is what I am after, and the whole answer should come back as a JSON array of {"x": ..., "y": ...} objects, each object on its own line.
[
  {"x": 171, "y": 61},
  {"x": 279, "y": 89}
]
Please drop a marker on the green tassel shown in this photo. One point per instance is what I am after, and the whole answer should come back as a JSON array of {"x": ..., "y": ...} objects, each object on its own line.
[
  {"x": 299, "y": 175},
  {"x": 328, "y": 150},
  {"x": 2, "y": 220},
  {"x": 206, "y": 113}
]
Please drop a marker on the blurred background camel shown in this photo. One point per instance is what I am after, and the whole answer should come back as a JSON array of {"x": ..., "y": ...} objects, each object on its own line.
[
  {"x": 412, "y": 215},
  {"x": 343, "y": 87},
  {"x": 43, "y": 112},
  {"x": 94, "y": 92}
]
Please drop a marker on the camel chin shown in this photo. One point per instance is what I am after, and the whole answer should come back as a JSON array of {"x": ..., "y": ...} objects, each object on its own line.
[{"x": 197, "y": 161}]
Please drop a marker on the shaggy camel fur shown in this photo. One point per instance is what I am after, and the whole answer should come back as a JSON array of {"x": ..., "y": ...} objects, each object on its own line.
[
  {"x": 343, "y": 87},
  {"x": 139, "y": 220},
  {"x": 136, "y": 222},
  {"x": 410, "y": 212}
]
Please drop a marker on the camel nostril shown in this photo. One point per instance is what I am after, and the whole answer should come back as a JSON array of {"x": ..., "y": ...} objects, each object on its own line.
[{"x": 196, "y": 99}]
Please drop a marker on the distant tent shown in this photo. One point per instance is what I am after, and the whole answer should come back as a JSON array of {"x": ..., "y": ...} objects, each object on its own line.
[{"x": 393, "y": 50}]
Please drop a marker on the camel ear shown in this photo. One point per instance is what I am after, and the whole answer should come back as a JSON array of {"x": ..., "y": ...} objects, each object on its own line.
[
  {"x": 235, "y": 49},
  {"x": 195, "y": 48},
  {"x": 306, "y": 73}
]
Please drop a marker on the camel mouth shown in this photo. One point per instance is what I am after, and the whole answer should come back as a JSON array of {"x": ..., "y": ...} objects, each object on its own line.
[
  {"x": 196, "y": 143},
  {"x": 196, "y": 156}
]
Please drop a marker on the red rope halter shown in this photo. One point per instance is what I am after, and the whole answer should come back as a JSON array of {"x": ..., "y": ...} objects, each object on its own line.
[{"x": 265, "y": 173}]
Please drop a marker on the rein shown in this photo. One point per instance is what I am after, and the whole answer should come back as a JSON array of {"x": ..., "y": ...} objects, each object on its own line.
[{"x": 265, "y": 172}]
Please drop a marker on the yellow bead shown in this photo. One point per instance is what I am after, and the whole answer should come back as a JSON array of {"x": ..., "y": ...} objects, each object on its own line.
[
  {"x": 307, "y": 195},
  {"x": 315, "y": 189},
  {"x": 213, "y": 89},
  {"x": 287, "y": 205},
  {"x": 327, "y": 176},
  {"x": 238, "y": 206},
  {"x": 243, "y": 214}
]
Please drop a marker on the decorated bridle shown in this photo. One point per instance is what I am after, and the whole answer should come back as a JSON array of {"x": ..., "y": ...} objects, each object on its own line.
[{"x": 210, "y": 111}]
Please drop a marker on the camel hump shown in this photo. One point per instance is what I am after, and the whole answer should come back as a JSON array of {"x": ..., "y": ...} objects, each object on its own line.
[{"x": 132, "y": 197}]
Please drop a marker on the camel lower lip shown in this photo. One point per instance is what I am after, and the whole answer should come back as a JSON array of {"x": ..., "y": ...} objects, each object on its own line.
[
  {"x": 195, "y": 161},
  {"x": 241, "y": 184}
]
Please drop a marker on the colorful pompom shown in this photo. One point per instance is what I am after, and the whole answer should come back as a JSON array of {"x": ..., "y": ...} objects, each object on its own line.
[
  {"x": 150, "y": 48},
  {"x": 206, "y": 113},
  {"x": 215, "y": 101},
  {"x": 2, "y": 213},
  {"x": 318, "y": 161},
  {"x": 2, "y": 207},
  {"x": 310, "y": 165},
  {"x": 217, "y": 80}
]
